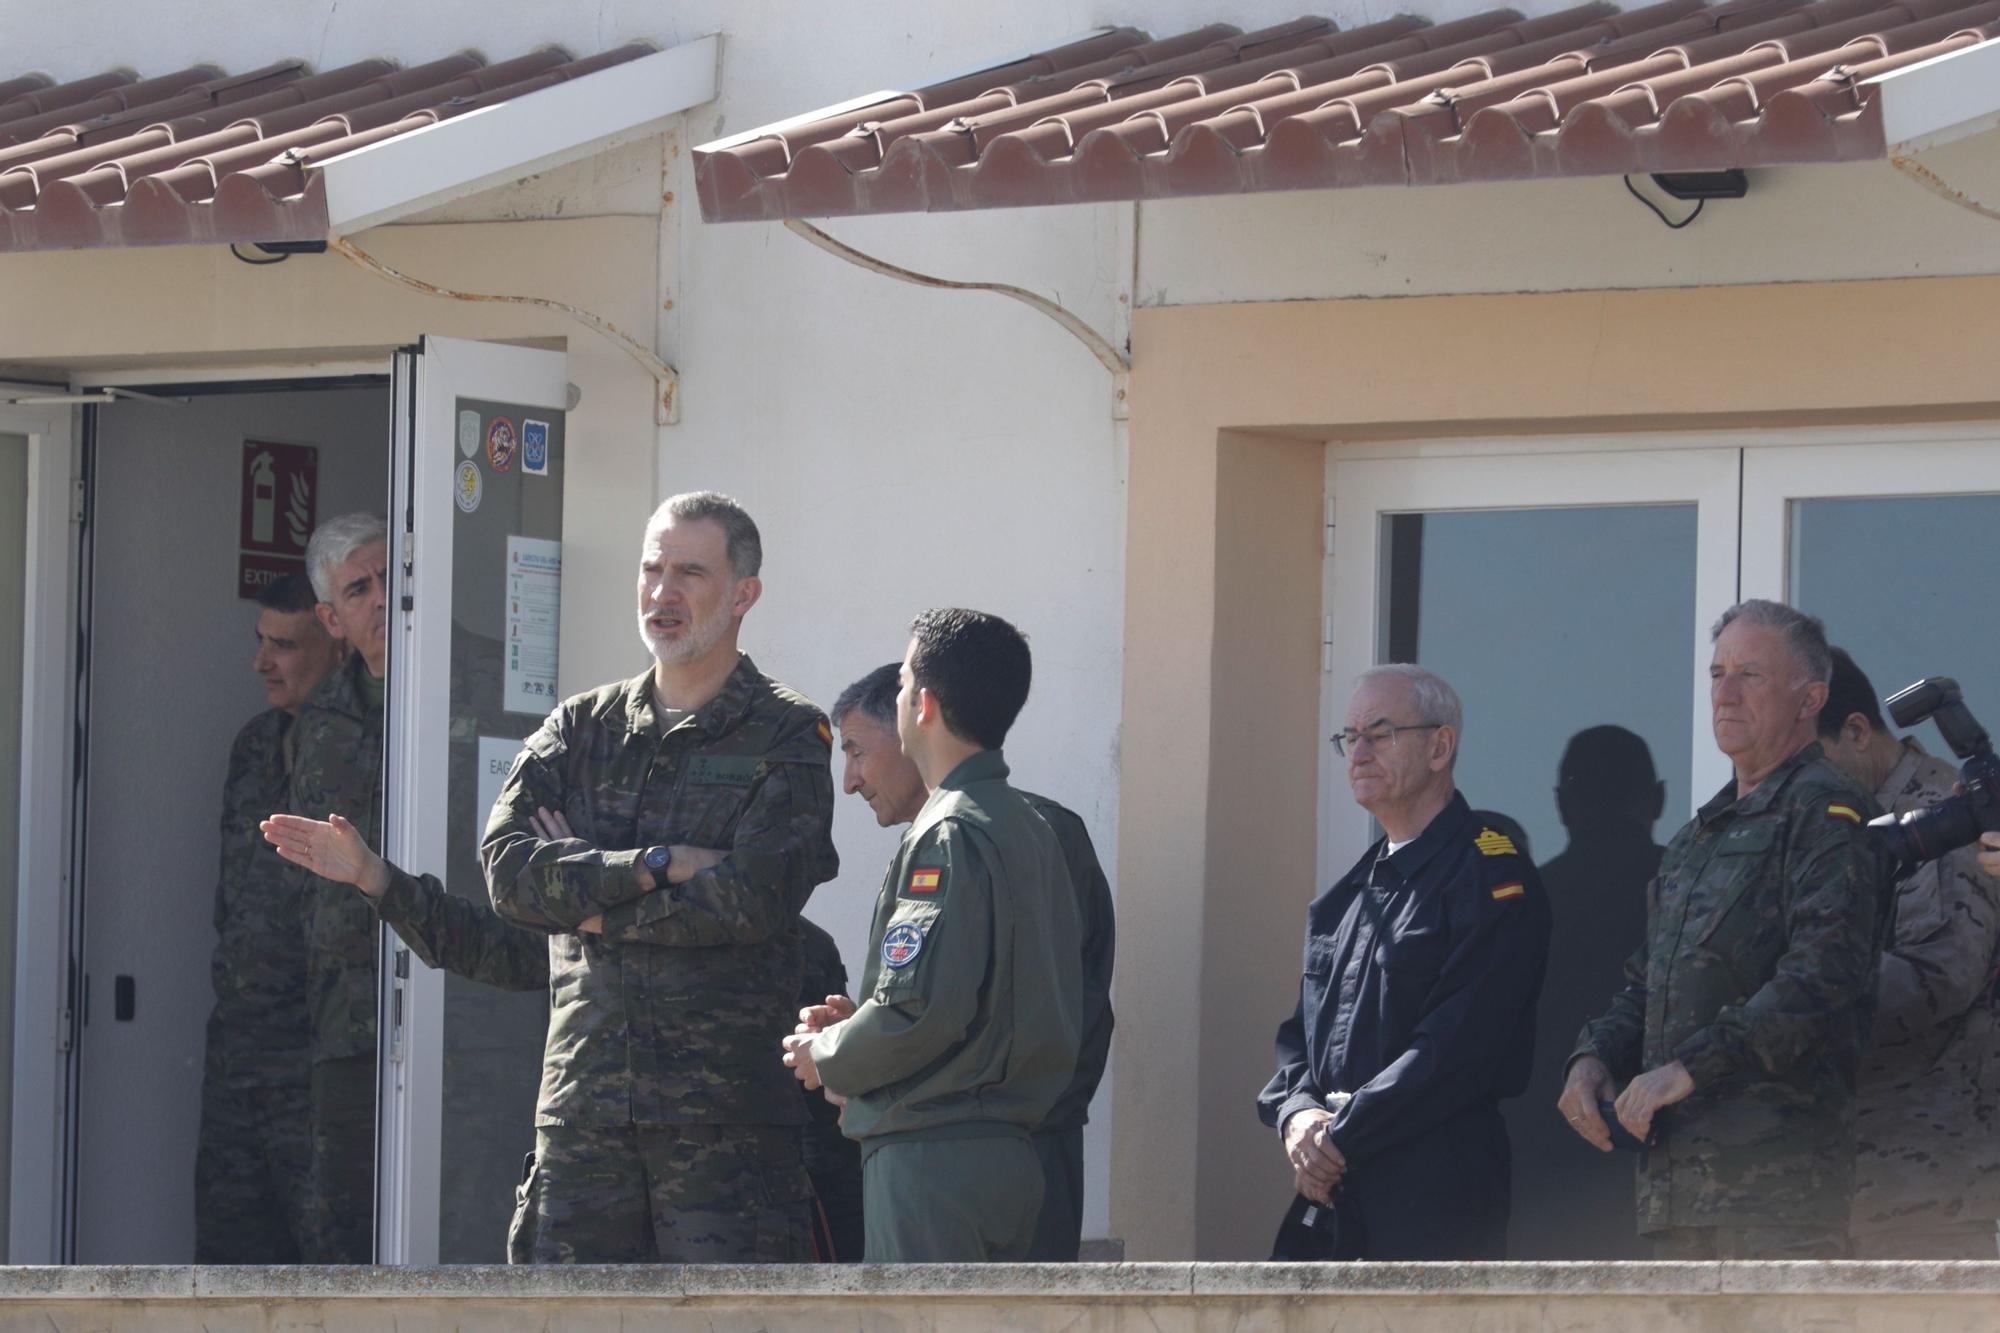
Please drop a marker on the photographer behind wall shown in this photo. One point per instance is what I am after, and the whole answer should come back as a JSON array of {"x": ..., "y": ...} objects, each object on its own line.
[{"x": 1927, "y": 1168}]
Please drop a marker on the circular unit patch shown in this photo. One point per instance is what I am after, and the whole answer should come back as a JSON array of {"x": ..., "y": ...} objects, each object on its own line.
[
  {"x": 502, "y": 442},
  {"x": 901, "y": 944},
  {"x": 468, "y": 488}
]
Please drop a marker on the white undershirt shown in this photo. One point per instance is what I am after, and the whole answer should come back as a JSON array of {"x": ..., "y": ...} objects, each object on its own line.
[{"x": 1395, "y": 847}]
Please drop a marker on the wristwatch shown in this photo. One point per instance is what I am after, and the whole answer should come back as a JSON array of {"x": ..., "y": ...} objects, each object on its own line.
[{"x": 656, "y": 859}]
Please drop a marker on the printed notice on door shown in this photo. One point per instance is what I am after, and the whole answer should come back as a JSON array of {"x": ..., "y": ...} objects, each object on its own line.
[{"x": 534, "y": 605}]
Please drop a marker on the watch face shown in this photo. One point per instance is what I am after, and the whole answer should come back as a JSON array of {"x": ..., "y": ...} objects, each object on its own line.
[{"x": 656, "y": 858}]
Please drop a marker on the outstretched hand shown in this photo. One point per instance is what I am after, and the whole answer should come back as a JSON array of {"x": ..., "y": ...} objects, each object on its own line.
[{"x": 331, "y": 848}]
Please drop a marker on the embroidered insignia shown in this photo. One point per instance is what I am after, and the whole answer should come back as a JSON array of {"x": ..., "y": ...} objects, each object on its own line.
[
  {"x": 901, "y": 944},
  {"x": 826, "y": 733},
  {"x": 1846, "y": 812},
  {"x": 924, "y": 881},
  {"x": 1504, "y": 892},
  {"x": 1491, "y": 843}
]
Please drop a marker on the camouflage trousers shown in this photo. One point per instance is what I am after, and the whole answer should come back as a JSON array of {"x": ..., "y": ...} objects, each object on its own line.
[
  {"x": 250, "y": 1174},
  {"x": 1705, "y": 1244},
  {"x": 675, "y": 1194},
  {"x": 340, "y": 1191}
]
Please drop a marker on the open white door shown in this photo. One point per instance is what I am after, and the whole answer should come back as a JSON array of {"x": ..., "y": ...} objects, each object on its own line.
[
  {"x": 475, "y": 576},
  {"x": 39, "y": 736}
]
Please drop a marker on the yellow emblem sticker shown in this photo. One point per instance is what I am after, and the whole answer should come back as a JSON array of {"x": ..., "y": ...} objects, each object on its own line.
[
  {"x": 1846, "y": 812},
  {"x": 1491, "y": 843}
]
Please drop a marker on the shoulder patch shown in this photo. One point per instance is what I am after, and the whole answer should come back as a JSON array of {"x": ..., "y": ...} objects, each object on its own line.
[
  {"x": 825, "y": 730},
  {"x": 1846, "y": 812},
  {"x": 926, "y": 882},
  {"x": 901, "y": 944},
  {"x": 1509, "y": 891},
  {"x": 1493, "y": 843}
]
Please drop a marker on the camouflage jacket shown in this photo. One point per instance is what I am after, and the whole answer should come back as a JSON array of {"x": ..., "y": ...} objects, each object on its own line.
[
  {"x": 673, "y": 1013},
  {"x": 972, "y": 998},
  {"x": 257, "y": 1031},
  {"x": 1925, "y": 1125},
  {"x": 1758, "y": 975},
  {"x": 337, "y": 769},
  {"x": 1094, "y": 915}
]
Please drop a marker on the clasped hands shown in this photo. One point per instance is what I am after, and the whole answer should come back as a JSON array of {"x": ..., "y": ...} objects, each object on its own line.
[
  {"x": 815, "y": 1019},
  {"x": 1317, "y": 1166},
  {"x": 1590, "y": 1082}
]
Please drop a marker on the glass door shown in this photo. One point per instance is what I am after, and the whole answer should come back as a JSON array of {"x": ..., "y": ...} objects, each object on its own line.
[
  {"x": 1567, "y": 598},
  {"x": 476, "y": 565},
  {"x": 1890, "y": 539}
]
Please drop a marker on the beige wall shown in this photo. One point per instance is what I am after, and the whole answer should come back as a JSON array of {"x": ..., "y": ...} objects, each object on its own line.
[
  {"x": 1213, "y": 776},
  {"x": 186, "y": 305}
]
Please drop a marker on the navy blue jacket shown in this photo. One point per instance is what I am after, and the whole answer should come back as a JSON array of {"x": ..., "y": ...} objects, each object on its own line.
[{"x": 1418, "y": 997}]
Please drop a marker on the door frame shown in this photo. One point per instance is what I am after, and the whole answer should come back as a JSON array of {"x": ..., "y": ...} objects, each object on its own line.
[
  {"x": 1480, "y": 476},
  {"x": 38, "y": 1213}
]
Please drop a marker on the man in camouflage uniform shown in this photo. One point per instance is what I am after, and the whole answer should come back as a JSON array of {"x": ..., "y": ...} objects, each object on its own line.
[
  {"x": 1927, "y": 1166},
  {"x": 700, "y": 805},
  {"x": 969, "y": 1030},
  {"x": 877, "y": 769},
  {"x": 338, "y": 771},
  {"x": 251, "y": 1155},
  {"x": 1744, "y": 1014},
  {"x": 456, "y": 935}
]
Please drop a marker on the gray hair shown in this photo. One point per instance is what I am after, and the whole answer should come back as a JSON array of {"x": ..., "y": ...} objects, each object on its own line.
[
  {"x": 744, "y": 545},
  {"x": 1436, "y": 701},
  {"x": 1805, "y": 636},
  {"x": 873, "y": 696},
  {"x": 334, "y": 543}
]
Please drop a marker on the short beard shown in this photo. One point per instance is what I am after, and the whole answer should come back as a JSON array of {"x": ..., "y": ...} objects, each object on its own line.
[{"x": 698, "y": 642}]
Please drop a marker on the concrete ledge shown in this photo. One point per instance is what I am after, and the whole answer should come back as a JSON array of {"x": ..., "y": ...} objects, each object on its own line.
[{"x": 1107, "y": 1298}]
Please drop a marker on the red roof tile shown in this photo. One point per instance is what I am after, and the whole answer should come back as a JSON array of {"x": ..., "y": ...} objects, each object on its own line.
[
  {"x": 1593, "y": 90},
  {"x": 199, "y": 156}
]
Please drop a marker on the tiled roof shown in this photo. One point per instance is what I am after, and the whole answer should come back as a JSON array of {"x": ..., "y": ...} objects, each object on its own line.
[
  {"x": 200, "y": 156},
  {"x": 1592, "y": 90}
]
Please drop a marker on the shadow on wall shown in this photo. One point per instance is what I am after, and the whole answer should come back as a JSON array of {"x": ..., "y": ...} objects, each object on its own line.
[{"x": 1571, "y": 1201}]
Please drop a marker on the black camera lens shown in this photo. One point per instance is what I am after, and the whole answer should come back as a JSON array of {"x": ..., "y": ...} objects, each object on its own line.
[{"x": 1926, "y": 834}]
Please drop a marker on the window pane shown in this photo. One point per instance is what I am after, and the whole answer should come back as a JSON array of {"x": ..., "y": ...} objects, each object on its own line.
[{"x": 1565, "y": 633}]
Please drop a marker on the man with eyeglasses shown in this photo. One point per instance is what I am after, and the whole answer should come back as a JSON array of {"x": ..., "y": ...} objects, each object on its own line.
[{"x": 1416, "y": 1009}]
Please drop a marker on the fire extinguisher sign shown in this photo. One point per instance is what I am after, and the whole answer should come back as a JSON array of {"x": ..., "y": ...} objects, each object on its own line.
[{"x": 280, "y": 506}]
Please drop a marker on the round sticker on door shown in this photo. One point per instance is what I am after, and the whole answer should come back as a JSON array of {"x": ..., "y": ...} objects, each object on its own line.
[
  {"x": 469, "y": 488},
  {"x": 501, "y": 443}
]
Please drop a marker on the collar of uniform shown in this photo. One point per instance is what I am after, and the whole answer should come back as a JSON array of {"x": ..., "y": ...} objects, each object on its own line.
[
  {"x": 1901, "y": 775},
  {"x": 986, "y": 766},
  {"x": 1407, "y": 861},
  {"x": 1767, "y": 791},
  {"x": 340, "y": 691},
  {"x": 713, "y": 717}
]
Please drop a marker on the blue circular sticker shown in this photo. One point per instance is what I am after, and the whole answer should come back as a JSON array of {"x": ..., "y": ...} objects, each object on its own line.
[{"x": 900, "y": 945}]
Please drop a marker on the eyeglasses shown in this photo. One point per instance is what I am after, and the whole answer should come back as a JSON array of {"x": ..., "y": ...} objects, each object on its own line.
[{"x": 1382, "y": 737}]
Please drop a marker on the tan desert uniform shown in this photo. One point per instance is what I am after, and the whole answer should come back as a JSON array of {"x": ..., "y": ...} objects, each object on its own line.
[
  {"x": 968, "y": 1029},
  {"x": 1927, "y": 1162}
]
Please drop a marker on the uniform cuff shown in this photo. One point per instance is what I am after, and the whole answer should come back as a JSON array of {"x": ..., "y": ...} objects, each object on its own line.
[
  {"x": 400, "y": 901},
  {"x": 619, "y": 882},
  {"x": 1297, "y": 1102},
  {"x": 1705, "y": 1058}
]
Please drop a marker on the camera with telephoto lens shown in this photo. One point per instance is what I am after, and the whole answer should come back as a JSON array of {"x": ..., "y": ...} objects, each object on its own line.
[{"x": 1926, "y": 834}]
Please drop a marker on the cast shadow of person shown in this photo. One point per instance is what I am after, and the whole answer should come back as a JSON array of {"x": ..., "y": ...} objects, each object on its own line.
[{"x": 1570, "y": 1201}]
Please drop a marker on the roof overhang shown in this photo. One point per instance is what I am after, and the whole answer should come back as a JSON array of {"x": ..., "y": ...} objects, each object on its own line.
[
  {"x": 284, "y": 155},
  {"x": 1670, "y": 87}
]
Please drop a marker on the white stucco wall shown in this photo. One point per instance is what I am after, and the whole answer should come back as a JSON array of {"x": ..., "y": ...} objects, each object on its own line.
[{"x": 906, "y": 447}]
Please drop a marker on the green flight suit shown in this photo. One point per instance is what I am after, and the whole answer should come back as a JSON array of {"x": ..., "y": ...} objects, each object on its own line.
[
  {"x": 1757, "y": 974},
  {"x": 968, "y": 1029}
]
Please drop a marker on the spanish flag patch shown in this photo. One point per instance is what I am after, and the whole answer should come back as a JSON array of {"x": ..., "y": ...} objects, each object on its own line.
[
  {"x": 1846, "y": 812},
  {"x": 1504, "y": 892},
  {"x": 826, "y": 732},
  {"x": 1491, "y": 843},
  {"x": 924, "y": 881}
]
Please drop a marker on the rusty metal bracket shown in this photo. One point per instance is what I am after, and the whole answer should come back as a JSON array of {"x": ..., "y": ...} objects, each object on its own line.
[
  {"x": 1937, "y": 185},
  {"x": 1100, "y": 347},
  {"x": 666, "y": 379}
]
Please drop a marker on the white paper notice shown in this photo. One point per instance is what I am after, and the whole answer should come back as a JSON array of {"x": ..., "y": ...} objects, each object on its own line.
[
  {"x": 534, "y": 605},
  {"x": 496, "y": 760}
]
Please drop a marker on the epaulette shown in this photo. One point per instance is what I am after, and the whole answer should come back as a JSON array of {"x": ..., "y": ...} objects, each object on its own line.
[{"x": 1502, "y": 866}]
